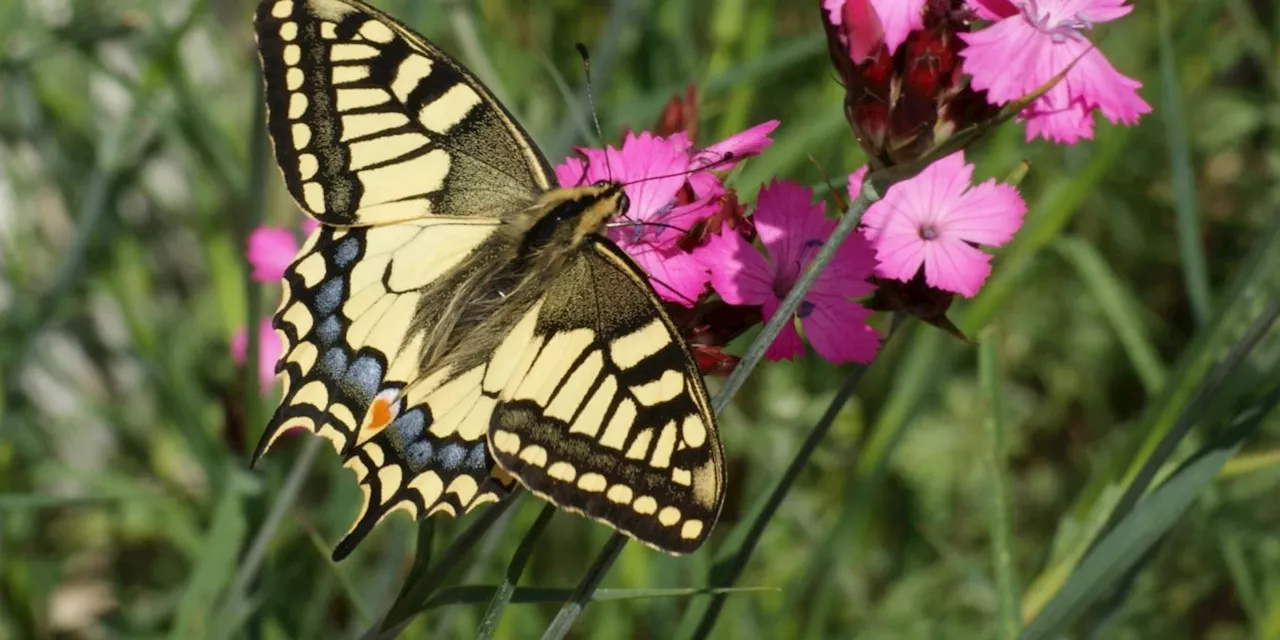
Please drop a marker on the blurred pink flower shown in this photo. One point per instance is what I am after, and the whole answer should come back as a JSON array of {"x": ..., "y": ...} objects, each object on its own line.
[
  {"x": 1029, "y": 43},
  {"x": 793, "y": 230},
  {"x": 269, "y": 351},
  {"x": 656, "y": 172},
  {"x": 935, "y": 219}
]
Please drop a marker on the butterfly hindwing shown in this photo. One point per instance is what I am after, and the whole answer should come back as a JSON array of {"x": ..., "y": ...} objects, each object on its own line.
[
  {"x": 604, "y": 412},
  {"x": 372, "y": 124},
  {"x": 358, "y": 308}
]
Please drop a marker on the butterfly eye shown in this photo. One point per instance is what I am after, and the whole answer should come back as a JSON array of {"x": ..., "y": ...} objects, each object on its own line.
[
  {"x": 624, "y": 203},
  {"x": 601, "y": 183}
]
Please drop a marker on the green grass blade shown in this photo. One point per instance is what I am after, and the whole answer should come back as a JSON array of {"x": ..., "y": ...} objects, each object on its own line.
[
  {"x": 215, "y": 564},
  {"x": 1009, "y": 620},
  {"x": 582, "y": 594},
  {"x": 424, "y": 584},
  {"x": 477, "y": 594},
  {"x": 1127, "y": 543},
  {"x": 506, "y": 589},
  {"x": 727, "y": 570},
  {"x": 1117, "y": 302},
  {"x": 1181, "y": 172}
]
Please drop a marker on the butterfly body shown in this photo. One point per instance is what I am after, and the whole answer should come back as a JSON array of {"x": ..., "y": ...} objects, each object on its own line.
[{"x": 458, "y": 323}]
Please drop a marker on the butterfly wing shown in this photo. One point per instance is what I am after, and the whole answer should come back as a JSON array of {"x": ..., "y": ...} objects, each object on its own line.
[
  {"x": 372, "y": 124},
  {"x": 603, "y": 411},
  {"x": 358, "y": 308}
]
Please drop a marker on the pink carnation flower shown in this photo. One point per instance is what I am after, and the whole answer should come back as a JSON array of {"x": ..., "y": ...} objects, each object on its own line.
[
  {"x": 269, "y": 352},
  {"x": 793, "y": 230},
  {"x": 866, "y": 23},
  {"x": 271, "y": 249},
  {"x": 935, "y": 219},
  {"x": 656, "y": 172},
  {"x": 1029, "y": 43}
]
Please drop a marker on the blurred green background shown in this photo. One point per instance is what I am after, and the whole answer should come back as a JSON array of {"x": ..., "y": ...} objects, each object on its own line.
[{"x": 132, "y": 166}]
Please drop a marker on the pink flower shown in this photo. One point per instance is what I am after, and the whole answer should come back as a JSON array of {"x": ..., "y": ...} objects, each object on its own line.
[
  {"x": 671, "y": 186},
  {"x": 865, "y": 23},
  {"x": 793, "y": 230},
  {"x": 1029, "y": 43},
  {"x": 935, "y": 219},
  {"x": 270, "y": 250},
  {"x": 269, "y": 352}
]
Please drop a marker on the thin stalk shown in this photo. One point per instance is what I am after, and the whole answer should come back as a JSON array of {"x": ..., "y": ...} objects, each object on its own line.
[{"x": 1008, "y": 620}]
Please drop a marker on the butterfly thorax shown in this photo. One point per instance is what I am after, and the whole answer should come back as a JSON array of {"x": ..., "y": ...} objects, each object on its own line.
[{"x": 503, "y": 281}]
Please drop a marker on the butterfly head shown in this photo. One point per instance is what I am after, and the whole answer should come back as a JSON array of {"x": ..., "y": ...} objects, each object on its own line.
[{"x": 565, "y": 218}]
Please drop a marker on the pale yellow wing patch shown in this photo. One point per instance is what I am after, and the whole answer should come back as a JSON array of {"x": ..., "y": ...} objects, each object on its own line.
[
  {"x": 372, "y": 124},
  {"x": 605, "y": 414}
]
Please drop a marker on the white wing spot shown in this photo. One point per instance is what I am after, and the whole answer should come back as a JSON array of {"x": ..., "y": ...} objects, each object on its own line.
[
  {"x": 669, "y": 516},
  {"x": 307, "y": 166},
  {"x": 534, "y": 455},
  {"x": 293, "y": 78},
  {"x": 562, "y": 471},
  {"x": 694, "y": 431},
  {"x": 347, "y": 73},
  {"x": 377, "y": 32},
  {"x": 505, "y": 441},
  {"x": 282, "y": 9},
  {"x": 301, "y": 135},
  {"x": 645, "y": 505},
  {"x": 624, "y": 417},
  {"x": 570, "y": 397},
  {"x": 412, "y": 71},
  {"x": 691, "y": 529},
  {"x": 449, "y": 109},
  {"x": 351, "y": 99},
  {"x": 292, "y": 54},
  {"x": 350, "y": 52},
  {"x": 592, "y": 482},
  {"x": 619, "y": 493},
  {"x": 389, "y": 478},
  {"x": 289, "y": 31},
  {"x": 297, "y": 106},
  {"x": 313, "y": 194},
  {"x": 634, "y": 347}
]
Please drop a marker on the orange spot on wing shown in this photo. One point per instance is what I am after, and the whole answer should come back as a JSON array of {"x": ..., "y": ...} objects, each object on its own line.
[{"x": 379, "y": 415}]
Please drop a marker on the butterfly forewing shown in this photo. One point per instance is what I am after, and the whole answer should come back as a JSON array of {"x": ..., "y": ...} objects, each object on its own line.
[
  {"x": 605, "y": 413},
  {"x": 372, "y": 124}
]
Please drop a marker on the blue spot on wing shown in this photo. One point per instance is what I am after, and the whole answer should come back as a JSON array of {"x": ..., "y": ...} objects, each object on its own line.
[
  {"x": 330, "y": 330},
  {"x": 451, "y": 456},
  {"x": 329, "y": 297},
  {"x": 419, "y": 454},
  {"x": 347, "y": 251},
  {"x": 477, "y": 459},
  {"x": 407, "y": 428},
  {"x": 363, "y": 379},
  {"x": 334, "y": 363}
]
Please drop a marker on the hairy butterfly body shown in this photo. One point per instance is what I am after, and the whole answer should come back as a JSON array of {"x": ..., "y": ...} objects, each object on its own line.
[{"x": 457, "y": 324}]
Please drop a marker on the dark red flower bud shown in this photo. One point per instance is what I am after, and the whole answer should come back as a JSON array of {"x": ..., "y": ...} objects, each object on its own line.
[{"x": 904, "y": 105}]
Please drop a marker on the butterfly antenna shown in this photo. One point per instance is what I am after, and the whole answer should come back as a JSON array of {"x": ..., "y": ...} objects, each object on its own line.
[
  {"x": 725, "y": 158},
  {"x": 591, "y": 102}
]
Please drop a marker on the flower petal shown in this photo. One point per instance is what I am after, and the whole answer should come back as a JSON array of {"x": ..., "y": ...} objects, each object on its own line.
[
  {"x": 952, "y": 265},
  {"x": 269, "y": 251},
  {"x": 739, "y": 145},
  {"x": 788, "y": 344},
  {"x": 738, "y": 272},
  {"x": 838, "y": 330}
]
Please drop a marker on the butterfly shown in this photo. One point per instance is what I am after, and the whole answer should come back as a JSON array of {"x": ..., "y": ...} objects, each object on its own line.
[{"x": 458, "y": 325}]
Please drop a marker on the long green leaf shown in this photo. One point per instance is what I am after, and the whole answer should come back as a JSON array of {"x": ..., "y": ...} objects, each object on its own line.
[{"x": 1127, "y": 543}]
